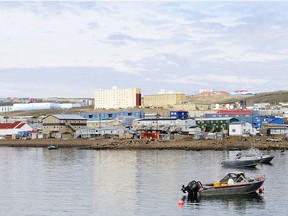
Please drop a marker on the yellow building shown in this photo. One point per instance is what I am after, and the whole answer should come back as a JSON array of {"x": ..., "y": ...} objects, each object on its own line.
[
  {"x": 163, "y": 100},
  {"x": 117, "y": 98},
  {"x": 62, "y": 125}
]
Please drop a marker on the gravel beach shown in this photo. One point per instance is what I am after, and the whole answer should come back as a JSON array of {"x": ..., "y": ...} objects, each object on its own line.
[{"x": 179, "y": 143}]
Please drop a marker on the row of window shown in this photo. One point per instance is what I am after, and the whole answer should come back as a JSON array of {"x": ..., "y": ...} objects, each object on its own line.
[{"x": 58, "y": 127}]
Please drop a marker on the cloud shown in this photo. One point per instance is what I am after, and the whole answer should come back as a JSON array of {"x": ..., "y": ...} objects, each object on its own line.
[{"x": 190, "y": 43}]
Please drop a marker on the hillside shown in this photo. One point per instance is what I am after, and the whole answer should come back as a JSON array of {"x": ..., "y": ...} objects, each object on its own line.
[{"x": 267, "y": 97}]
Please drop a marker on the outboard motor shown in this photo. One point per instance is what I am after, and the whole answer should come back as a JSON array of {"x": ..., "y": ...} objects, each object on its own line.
[{"x": 192, "y": 189}]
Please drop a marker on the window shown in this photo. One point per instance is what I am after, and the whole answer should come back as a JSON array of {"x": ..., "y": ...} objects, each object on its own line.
[{"x": 233, "y": 130}]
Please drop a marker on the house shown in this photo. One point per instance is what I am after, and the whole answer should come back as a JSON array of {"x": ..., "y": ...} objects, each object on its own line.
[
  {"x": 14, "y": 128},
  {"x": 241, "y": 129},
  {"x": 62, "y": 125}
]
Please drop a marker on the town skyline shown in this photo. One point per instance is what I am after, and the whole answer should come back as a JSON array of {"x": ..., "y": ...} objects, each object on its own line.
[{"x": 72, "y": 48}]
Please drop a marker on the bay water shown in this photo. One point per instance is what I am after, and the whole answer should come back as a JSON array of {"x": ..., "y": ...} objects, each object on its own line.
[{"x": 36, "y": 181}]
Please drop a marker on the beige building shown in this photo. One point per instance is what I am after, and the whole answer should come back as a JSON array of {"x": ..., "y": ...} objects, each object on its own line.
[
  {"x": 163, "y": 100},
  {"x": 100, "y": 123},
  {"x": 62, "y": 126},
  {"x": 117, "y": 98}
]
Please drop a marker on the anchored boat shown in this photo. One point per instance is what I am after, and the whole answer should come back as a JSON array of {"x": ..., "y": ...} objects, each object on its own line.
[
  {"x": 253, "y": 152},
  {"x": 234, "y": 183},
  {"x": 241, "y": 161}
]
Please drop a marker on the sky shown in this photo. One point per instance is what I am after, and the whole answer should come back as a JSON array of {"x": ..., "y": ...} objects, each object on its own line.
[{"x": 72, "y": 48}]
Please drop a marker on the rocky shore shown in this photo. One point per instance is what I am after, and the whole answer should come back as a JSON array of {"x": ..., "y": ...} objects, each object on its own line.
[{"x": 179, "y": 143}]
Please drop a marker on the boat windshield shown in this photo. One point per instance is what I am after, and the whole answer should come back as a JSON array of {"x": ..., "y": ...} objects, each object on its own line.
[{"x": 237, "y": 177}]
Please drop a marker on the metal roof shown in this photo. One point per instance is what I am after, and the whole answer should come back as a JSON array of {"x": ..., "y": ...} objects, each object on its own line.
[
  {"x": 69, "y": 116},
  {"x": 214, "y": 119},
  {"x": 156, "y": 119}
]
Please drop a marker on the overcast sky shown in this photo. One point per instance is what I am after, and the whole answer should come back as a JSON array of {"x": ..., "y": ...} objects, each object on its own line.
[{"x": 72, "y": 48}]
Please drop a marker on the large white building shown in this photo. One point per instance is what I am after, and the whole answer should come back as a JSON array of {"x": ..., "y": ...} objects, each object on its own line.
[{"x": 117, "y": 98}]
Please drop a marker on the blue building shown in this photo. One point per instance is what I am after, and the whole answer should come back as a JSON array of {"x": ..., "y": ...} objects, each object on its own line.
[
  {"x": 115, "y": 114},
  {"x": 268, "y": 120},
  {"x": 180, "y": 114}
]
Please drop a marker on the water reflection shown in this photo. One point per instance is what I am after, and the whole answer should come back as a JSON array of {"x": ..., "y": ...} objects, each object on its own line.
[{"x": 239, "y": 202}]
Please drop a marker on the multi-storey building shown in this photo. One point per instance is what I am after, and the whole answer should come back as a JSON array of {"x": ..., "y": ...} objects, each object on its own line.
[
  {"x": 62, "y": 125},
  {"x": 163, "y": 100},
  {"x": 117, "y": 98}
]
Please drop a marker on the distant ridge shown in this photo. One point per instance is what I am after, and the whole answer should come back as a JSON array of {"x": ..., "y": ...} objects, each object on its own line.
[{"x": 265, "y": 97}]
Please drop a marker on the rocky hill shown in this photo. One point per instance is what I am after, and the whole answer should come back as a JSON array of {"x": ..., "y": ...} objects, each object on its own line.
[{"x": 266, "y": 97}]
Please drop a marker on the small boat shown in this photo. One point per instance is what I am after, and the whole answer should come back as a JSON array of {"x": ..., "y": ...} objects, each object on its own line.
[
  {"x": 234, "y": 183},
  {"x": 241, "y": 161},
  {"x": 253, "y": 152},
  {"x": 53, "y": 147}
]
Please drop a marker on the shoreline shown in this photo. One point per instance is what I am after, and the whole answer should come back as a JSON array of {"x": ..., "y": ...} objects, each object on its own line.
[{"x": 183, "y": 143}]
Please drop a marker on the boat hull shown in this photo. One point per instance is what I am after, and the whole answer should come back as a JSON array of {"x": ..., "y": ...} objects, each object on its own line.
[
  {"x": 238, "y": 189},
  {"x": 266, "y": 159},
  {"x": 241, "y": 163}
]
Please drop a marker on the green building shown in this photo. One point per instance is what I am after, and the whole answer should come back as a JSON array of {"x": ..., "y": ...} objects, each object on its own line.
[{"x": 219, "y": 124}]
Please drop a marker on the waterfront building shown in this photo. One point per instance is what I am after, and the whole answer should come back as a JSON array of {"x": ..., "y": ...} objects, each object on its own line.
[
  {"x": 62, "y": 125},
  {"x": 116, "y": 98},
  {"x": 241, "y": 129},
  {"x": 110, "y": 131},
  {"x": 164, "y": 125},
  {"x": 15, "y": 128}
]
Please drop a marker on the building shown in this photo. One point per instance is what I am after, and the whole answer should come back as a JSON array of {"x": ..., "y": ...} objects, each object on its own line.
[
  {"x": 62, "y": 125},
  {"x": 212, "y": 92},
  {"x": 41, "y": 106},
  {"x": 102, "y": 122},
  {"x": 163, "y": 100},
  {"x": 104, "y": 119},
  {"x": 191, "y": 106},
  {"x": 112, "y": 131},
  {"x": 241, "y": 129},
  {"x": 242, "y": 93},
  {"x": 274, "y": 129},
  {"x": 180, "y": 114},
  {"x": 6, "y": 108},
  {"x": 241, "y": 115},
  {"x": 171, "y": 125},
  {"x": 117, "y": 98},
  {"x": 268, "y": 120},
  {"x": 15, "y": 128},
  {"x": 114, "y": 114},
  {"x": 216, "y": 124}
]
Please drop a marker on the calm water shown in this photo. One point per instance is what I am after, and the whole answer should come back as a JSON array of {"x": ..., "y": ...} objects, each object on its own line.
[{"x": 35, "y": 181}]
